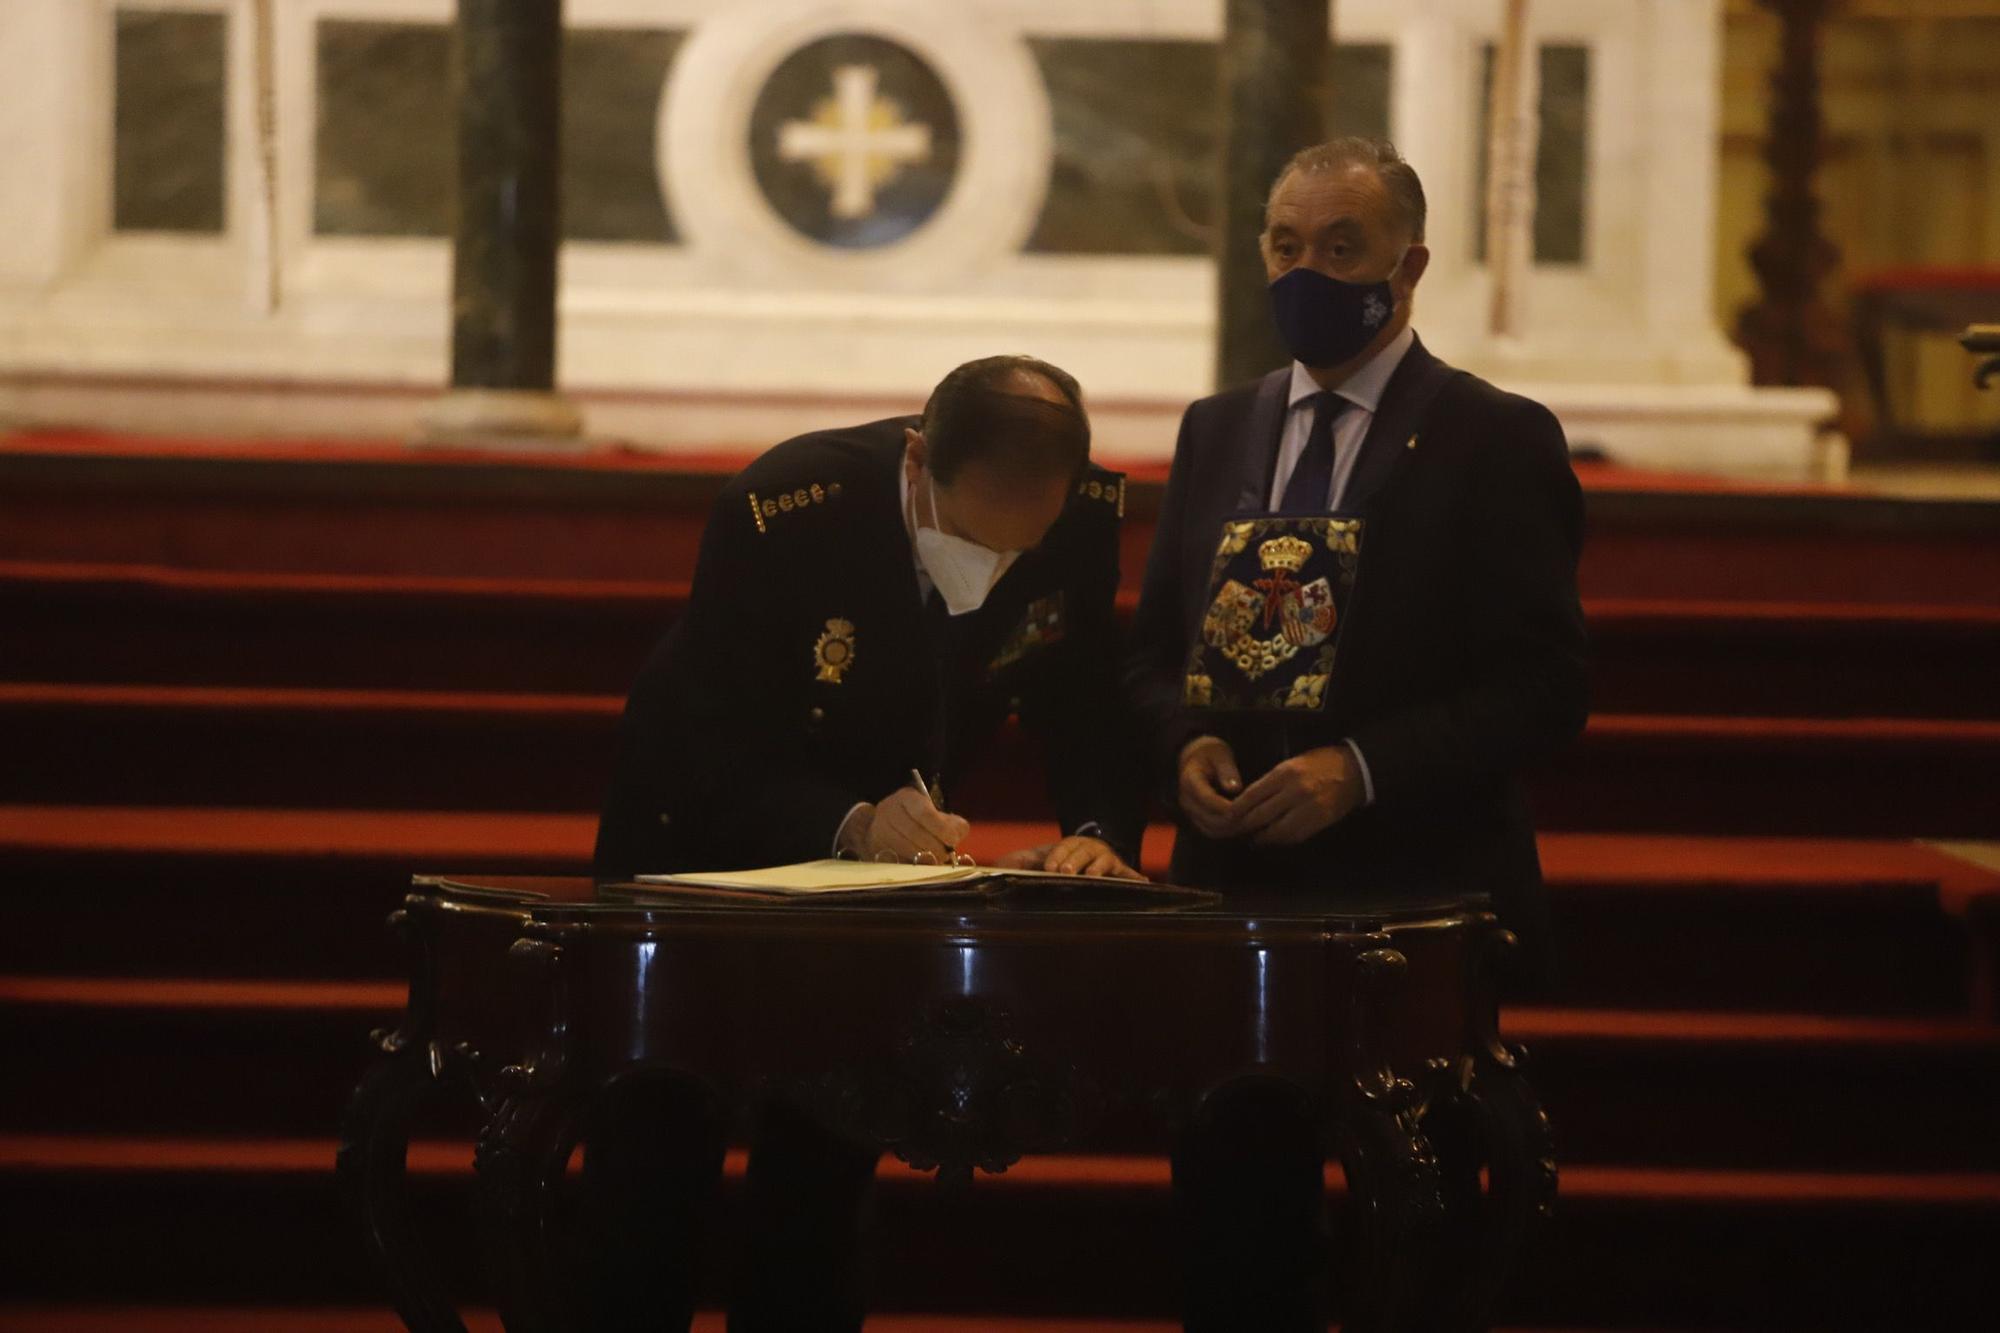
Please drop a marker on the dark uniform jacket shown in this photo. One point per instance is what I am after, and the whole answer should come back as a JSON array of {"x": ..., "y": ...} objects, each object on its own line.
[
  {"x": 807, "y": 675},
  {"x": 1461, "y": 658}
]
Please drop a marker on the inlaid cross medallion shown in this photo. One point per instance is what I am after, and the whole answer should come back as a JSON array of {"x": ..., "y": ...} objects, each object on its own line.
[{"x": 857, "y": 141}]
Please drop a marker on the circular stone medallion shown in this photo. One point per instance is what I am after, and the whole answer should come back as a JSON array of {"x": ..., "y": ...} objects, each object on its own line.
[{"x": 854, "y": 141}]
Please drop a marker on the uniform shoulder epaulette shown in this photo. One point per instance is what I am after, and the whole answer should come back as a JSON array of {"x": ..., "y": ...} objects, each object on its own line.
[
  {"x": 1104, "y": 487},
  {"x": 769, "y": 507}
]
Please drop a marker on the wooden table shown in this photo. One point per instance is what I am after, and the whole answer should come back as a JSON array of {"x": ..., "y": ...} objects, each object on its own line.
[{"x": 959, "y": 1033}]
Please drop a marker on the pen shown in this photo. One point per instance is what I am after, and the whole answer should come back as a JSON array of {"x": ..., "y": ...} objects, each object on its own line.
[{"x": 917, "y": 777}]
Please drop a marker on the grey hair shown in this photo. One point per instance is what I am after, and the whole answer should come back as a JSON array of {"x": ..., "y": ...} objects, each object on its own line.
[{"x": 1406, "y": 192}]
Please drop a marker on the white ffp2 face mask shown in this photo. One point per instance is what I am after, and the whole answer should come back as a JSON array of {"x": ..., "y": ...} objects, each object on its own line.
[{"x": 963, "y": 571}]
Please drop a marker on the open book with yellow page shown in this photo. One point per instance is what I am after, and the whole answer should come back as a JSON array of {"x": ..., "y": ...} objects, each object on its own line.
[
  {"x": 848, "y": 879},
  {"x": 808, "y": 878}
]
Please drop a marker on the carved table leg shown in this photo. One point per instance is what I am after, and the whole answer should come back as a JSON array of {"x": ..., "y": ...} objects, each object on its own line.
[
  {"x": 1392, "y": 1174},
  {"x": 521, "y": 1161},
  {"x": 1482, "y": 1113},
  {"x": 374, "y": 1142},
  {"x": 522, "y": 1156}
]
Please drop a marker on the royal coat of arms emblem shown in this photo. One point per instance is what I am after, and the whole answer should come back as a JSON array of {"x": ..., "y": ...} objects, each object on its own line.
[{"x": 1279, "y": 587}]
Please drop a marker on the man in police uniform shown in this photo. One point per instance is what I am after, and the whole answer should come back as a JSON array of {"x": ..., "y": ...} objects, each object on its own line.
[
  {"x": 867, "y": 601},
  {"x": 875, "y": 600}
]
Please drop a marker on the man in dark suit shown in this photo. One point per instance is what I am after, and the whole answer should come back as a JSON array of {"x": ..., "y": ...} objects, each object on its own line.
[
  {"x": 867, "y": 601},
  {"x": 1458, "y": 659}
]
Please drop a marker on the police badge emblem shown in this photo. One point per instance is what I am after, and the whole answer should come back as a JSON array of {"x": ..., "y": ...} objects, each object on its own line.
[
  {"x": 1278, "y": 589},
  {"x": 833, "y": 653}
]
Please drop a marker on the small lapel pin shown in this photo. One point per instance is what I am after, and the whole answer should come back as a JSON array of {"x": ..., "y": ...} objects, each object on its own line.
[{"x": 1412, "y": 444}]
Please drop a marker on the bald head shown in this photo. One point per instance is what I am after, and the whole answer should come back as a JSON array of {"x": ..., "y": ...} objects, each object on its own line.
[{"x": 1017, "y": 415}]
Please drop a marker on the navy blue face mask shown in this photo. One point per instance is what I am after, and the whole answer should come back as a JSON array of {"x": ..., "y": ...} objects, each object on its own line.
[{"x": 1325, "y": 321}]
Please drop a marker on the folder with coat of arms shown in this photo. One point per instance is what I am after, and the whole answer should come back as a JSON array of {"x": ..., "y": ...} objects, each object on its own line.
[{"x": 1279, "y": 589}]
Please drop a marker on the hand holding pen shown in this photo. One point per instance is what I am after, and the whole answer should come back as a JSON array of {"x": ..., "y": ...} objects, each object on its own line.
[
  {"x": 954, "y": 829},
  {"x": 906, "y": 825}
]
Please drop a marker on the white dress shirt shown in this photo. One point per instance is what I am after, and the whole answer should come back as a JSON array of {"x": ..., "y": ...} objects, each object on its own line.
[{"x": 1363, "y": 392}]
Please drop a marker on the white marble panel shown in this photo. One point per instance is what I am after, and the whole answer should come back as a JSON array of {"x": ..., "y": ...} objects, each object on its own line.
[{"x": 734, "y": 330}]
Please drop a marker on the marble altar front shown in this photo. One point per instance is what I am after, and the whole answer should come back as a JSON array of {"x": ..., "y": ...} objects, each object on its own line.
[{"x": 782, "y": 213}]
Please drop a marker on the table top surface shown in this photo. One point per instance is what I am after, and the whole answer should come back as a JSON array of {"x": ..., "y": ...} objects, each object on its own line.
[{"x": 997, "y": 898}]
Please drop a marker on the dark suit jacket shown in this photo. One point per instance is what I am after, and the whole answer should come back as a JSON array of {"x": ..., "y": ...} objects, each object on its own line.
[
  {"x": 1461, "y": 659},
  {"x": 806, "y": 675}
]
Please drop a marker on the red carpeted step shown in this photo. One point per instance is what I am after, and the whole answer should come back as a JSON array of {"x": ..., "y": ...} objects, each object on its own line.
[
  {"x": 88, "y": 1318},
  {"x": 421, "y": 837},
  {"x": 120, "y": 624},
  {"x": 1742, "y": 546},
  {"x": 227, "y": 1319},
  {"x": 1793, "y": 658},
  {"x": 78, "y": 1042},
  {"x": 1840, "y": 925},
  {"x": 1728, "y": 1089},
  {"x": 233, "y": 892},
  {"x": 1844, "y": 924},
  {"x": 164, "y": 1156},
  {"x": 201, "y": 1199},
  {"x": 1745, "y": 1090},
  {"x": 80, "y": 623},
  {"x": 1595, "y": 862},
  {"x": 275, "y": 506},
  {"x": 390, "y": 749},
  {"x": 392, "y": 513},
  {"x": 1082, "y": 1236},
  {"x": 368, "y": 749},
  {"x": 230, "y": 1319},
  {"x": 1835, "y": 777}
]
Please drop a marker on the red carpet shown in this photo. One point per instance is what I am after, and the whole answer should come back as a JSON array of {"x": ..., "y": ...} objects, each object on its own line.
[
  {"x": 69, "y": 1154},
  {"x": 224, "y": 1319},
  {"x": 154, "y": 1319},
  {"x": 249, "y": 688},
  {"x": 1663, "y": 863}
]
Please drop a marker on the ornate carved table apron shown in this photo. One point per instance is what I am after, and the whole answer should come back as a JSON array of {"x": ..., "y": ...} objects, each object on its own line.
[{"x": 959, "y": 1033}]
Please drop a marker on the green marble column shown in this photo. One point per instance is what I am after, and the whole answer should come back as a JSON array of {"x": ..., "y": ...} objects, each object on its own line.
[
  {"x": 508, "y": 70},
  {"x": 1274, "y": 59}
]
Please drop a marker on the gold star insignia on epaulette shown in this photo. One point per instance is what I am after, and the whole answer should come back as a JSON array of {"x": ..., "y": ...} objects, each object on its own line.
[{"x": 786, "y": 502}]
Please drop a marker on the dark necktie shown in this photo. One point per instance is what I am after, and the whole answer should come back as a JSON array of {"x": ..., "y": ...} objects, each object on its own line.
[{"x": 1312, "y": 476}]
